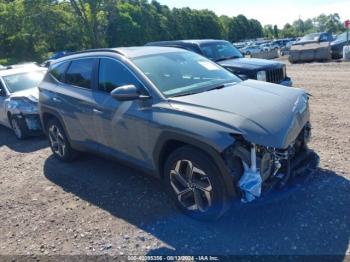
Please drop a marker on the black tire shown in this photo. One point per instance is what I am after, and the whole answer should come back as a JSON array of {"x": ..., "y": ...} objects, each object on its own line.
[
  {"x": 66, "y": 154},
  {"x": 19, "y": 128},
  {"x": 201, "y": 161}
]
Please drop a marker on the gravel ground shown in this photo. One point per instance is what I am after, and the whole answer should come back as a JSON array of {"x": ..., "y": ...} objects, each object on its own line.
[{"x": 96, "y": 206}]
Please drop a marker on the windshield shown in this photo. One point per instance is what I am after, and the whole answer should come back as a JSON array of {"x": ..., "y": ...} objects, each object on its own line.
[
  {"x": 182, "y": 73},
  {"x": 220, "y": 51},
  {"x": 343, "y": 37},
  {"x": 23, "y": 81}
]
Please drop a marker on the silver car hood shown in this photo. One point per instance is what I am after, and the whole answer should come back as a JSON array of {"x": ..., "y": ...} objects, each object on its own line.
[
  {"x": 32, "y": 94},
  {"x": 263, "y": 113}
]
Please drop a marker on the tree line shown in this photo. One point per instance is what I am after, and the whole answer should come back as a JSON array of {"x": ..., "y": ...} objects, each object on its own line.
[{"x": 31, "y": 29}]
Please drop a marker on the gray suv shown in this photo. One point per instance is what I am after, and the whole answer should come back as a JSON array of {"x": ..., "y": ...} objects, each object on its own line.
[{"x": 211, "y": 137}]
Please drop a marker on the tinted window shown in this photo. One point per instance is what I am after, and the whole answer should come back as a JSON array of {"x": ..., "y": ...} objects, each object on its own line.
[
  {"x": 112, "y": 74},
  {"x": 220, "y": 51},
  {"x": 58, "y": 71},
  {"x": 80, "y": 72}
]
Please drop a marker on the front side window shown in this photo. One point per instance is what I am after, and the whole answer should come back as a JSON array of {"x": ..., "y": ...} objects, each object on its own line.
[
  {"x": 220, "y": 51},
  {"x": 58, "y": 71},
  {"x": 23, "y": 81},
  {"x": 183, "y": 72},
  {"x": 112, "y": 74},
  {"x": 80, "y": 72}
]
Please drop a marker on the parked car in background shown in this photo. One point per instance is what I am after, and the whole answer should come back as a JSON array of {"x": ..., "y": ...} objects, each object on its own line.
[
  {"x": 315, "y": 38},
  {"x": 19, "y": 98},
  {"x": 338, "y": 44},
  {"x": 251, "y": 49},
  {"x": 211, "y": 137},
  {"x": 227, "y": 56},
  {"x": 285, "y": 50},
  {"x": 280, "y": 43},
  {"x": 269, "y": 46},
  {"x": 54, "y": 56},
  {"x": 239, "y": 45}
]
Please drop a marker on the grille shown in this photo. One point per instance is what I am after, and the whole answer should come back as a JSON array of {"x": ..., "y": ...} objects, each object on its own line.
[{"x": 274, "y": 75}]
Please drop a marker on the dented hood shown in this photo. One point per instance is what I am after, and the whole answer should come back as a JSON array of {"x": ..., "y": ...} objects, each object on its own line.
[
  {"x": 263, "y": 113},
  {"x": 250, "y": 64},
  {"x": 32, "y": 94}
]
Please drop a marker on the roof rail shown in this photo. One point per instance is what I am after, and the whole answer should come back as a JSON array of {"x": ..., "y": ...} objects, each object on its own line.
[{"x": 112, "y": 50}]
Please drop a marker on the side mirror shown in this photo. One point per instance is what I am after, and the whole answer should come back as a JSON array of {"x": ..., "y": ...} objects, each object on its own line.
[{"x": 127, "y": 93}]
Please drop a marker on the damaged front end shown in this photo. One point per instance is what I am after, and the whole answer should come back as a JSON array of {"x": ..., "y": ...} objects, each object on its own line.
[
  {"x": 266, "y": 168},
  {"x": 25, "y": 111}
]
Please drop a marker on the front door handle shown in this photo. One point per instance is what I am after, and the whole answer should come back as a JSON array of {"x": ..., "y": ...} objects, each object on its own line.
[
  {"x": 97, "y": 111},
  {"x": 56, "y": 100}
]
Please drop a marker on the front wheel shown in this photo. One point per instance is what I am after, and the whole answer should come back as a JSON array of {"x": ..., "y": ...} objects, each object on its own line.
[
  {"x": 18, "y": 129},
  {"x": 195, "y": 183},
  {"x": 58, "y": 141}
]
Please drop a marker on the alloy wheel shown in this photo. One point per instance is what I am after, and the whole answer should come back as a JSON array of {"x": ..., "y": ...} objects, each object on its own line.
[
  {"x": 192, "y": 186},
  {"x": 57, "y": 141}
]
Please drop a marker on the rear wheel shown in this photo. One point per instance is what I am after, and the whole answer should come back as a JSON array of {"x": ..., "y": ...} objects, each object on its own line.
[
  {"x": 58, "y": 141},
  {"x": 195, "y": 183}
]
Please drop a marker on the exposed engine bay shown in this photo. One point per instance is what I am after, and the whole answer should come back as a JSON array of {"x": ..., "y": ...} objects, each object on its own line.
[{"x": 265, "y": 168}]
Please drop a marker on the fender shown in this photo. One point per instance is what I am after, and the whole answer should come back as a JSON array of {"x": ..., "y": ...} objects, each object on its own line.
[
  {"x": 46, "y": 110},
  {"x": 168, "y": 136}
]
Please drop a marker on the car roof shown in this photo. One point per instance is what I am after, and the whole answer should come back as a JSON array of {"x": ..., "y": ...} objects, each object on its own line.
[
  {"x": 18, "y": 69},
  {"x": 129, "y": 52},
  {"x": 138, "y": 51},
  {"x": 188, "y": 41}
]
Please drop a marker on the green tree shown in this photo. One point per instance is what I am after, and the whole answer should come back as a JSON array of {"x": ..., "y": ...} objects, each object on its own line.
[{"x": 92, "y": 17}]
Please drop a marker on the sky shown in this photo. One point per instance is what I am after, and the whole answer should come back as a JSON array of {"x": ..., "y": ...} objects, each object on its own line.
[{"x": 272, "y": 12}]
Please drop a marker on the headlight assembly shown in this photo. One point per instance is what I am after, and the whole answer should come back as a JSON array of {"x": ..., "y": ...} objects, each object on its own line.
[
  {"x": 261, "y": 76},
  {"x": 23, "y": 105}
]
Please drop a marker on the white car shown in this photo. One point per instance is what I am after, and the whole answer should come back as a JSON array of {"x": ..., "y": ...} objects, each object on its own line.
[
  {"x": 19, "y": 98},
  {"x": 253, "y": 49}
]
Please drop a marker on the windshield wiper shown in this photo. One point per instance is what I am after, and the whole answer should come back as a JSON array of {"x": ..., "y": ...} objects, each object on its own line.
[
  {"x": 185, "y": 94},
  {"x": 226, "y": 58}
]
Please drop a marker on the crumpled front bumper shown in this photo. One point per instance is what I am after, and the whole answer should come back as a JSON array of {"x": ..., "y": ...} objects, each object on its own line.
[
  {"x": 30, "y": 123},
  {"x": 302, "y": 167}
]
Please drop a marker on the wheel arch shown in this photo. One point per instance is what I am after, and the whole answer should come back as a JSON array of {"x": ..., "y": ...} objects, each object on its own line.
[
  {"x": 48, "y": 114},
  {"x": 169, "y": 142}
]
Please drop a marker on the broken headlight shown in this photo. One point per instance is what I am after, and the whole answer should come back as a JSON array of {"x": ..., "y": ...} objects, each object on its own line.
[{"x": 23, "y": 105}]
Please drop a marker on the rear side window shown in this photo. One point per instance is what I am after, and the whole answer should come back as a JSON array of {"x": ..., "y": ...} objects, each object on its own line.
[
  {"x": 80, "y": 72},
  {"x": 59, "y": 70},
  {"x": 112, "y": 74}
]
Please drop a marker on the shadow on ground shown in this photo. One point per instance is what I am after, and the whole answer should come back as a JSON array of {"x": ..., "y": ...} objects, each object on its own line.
[
  {"x": 312, "y": 220},
  {"x": 31, "y": 144}
]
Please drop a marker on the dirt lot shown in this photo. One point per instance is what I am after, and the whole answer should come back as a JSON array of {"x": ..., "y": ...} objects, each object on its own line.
[{"x": 95, "y": 206}]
